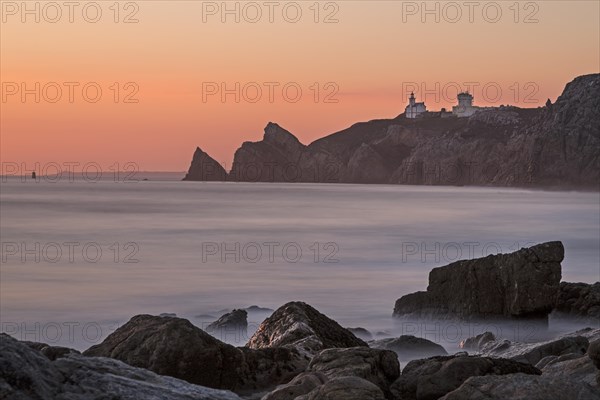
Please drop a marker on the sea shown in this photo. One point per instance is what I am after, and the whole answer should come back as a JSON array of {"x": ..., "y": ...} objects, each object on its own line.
[{"x": 80, "y": 257}]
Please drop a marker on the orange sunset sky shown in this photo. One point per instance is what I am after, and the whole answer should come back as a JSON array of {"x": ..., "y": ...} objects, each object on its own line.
[{"x": 364, "y": 56}]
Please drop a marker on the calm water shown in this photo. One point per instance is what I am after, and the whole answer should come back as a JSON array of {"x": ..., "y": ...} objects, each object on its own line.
[{"x": 80, "y": 258}]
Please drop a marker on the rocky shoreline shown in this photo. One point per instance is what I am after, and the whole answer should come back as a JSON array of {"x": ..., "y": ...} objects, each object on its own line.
[{"x": 298, "y": 353}]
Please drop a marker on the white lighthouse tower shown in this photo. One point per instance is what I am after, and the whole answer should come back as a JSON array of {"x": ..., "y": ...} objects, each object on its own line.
[{"x": 414, "y": 109}]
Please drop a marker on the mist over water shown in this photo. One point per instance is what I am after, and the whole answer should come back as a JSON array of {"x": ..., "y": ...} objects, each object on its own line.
[{"x": 202, "y": 248}]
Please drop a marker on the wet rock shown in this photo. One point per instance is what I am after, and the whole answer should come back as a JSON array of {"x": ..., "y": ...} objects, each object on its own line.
[
  {"x": 410, "y": 347},
  {"x": 527, "y": 287},
  {"x": 522, "y": 387},
  {"x": 175, "y": 347},
  {"x": 298, "y": 325},
  {"x": 431, "y": 378}
]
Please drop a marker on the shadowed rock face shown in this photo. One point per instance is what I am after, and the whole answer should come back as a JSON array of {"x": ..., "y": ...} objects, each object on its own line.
[
  {"x": 552, "y": 146},
  {"x": 431, "y": 378},
  {"x": 298, "y": 325},
  {"x": 175, "y": 347},
  {"x": 27, "y": 374},
  {"x": 525, "y": 285}
]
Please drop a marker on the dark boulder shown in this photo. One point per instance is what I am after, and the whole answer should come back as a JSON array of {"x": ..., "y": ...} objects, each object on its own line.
[{"x": 526, "y": 286}]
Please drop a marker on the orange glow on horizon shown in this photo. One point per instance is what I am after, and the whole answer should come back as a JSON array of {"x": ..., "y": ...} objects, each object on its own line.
[{"x": 365, "y": 62}]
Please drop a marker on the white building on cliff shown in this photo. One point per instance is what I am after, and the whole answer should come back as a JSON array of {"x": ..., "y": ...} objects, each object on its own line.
[
  {"x": 465, "y": 106},
  {"x": 414, "y": 109}
]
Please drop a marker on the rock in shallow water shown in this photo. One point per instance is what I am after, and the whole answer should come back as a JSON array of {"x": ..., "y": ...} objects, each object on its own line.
[
  {"x": 26, "y": 374},
  {"x": 410, "y": 347},
  {"x": 234, "y": 322},
  {"x": 526, "y": 285},
  {"x": 361, "y": 333}
]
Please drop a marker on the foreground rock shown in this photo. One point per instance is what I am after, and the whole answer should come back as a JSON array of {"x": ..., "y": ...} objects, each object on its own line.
[
  {"x": 175, "y": 347},
  {"x": 410, "y": 347},
  {"x": 579, "y": 300},
  {"x": 522, "y": 387},
  {"x": 431, "y": 378},
  {"x": 298, "y": 325},
  {"x": 532, "y": 353},
  {"x": 27, "y": 374},
  {"x": 527, "y": 287}
]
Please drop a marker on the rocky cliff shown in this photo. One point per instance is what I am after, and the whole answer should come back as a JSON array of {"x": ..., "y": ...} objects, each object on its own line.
[{"x": 552, "y": 146}]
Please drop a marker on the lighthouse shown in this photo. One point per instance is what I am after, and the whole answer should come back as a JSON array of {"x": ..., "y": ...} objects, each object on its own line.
[{"x": 414, "y": 109}]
